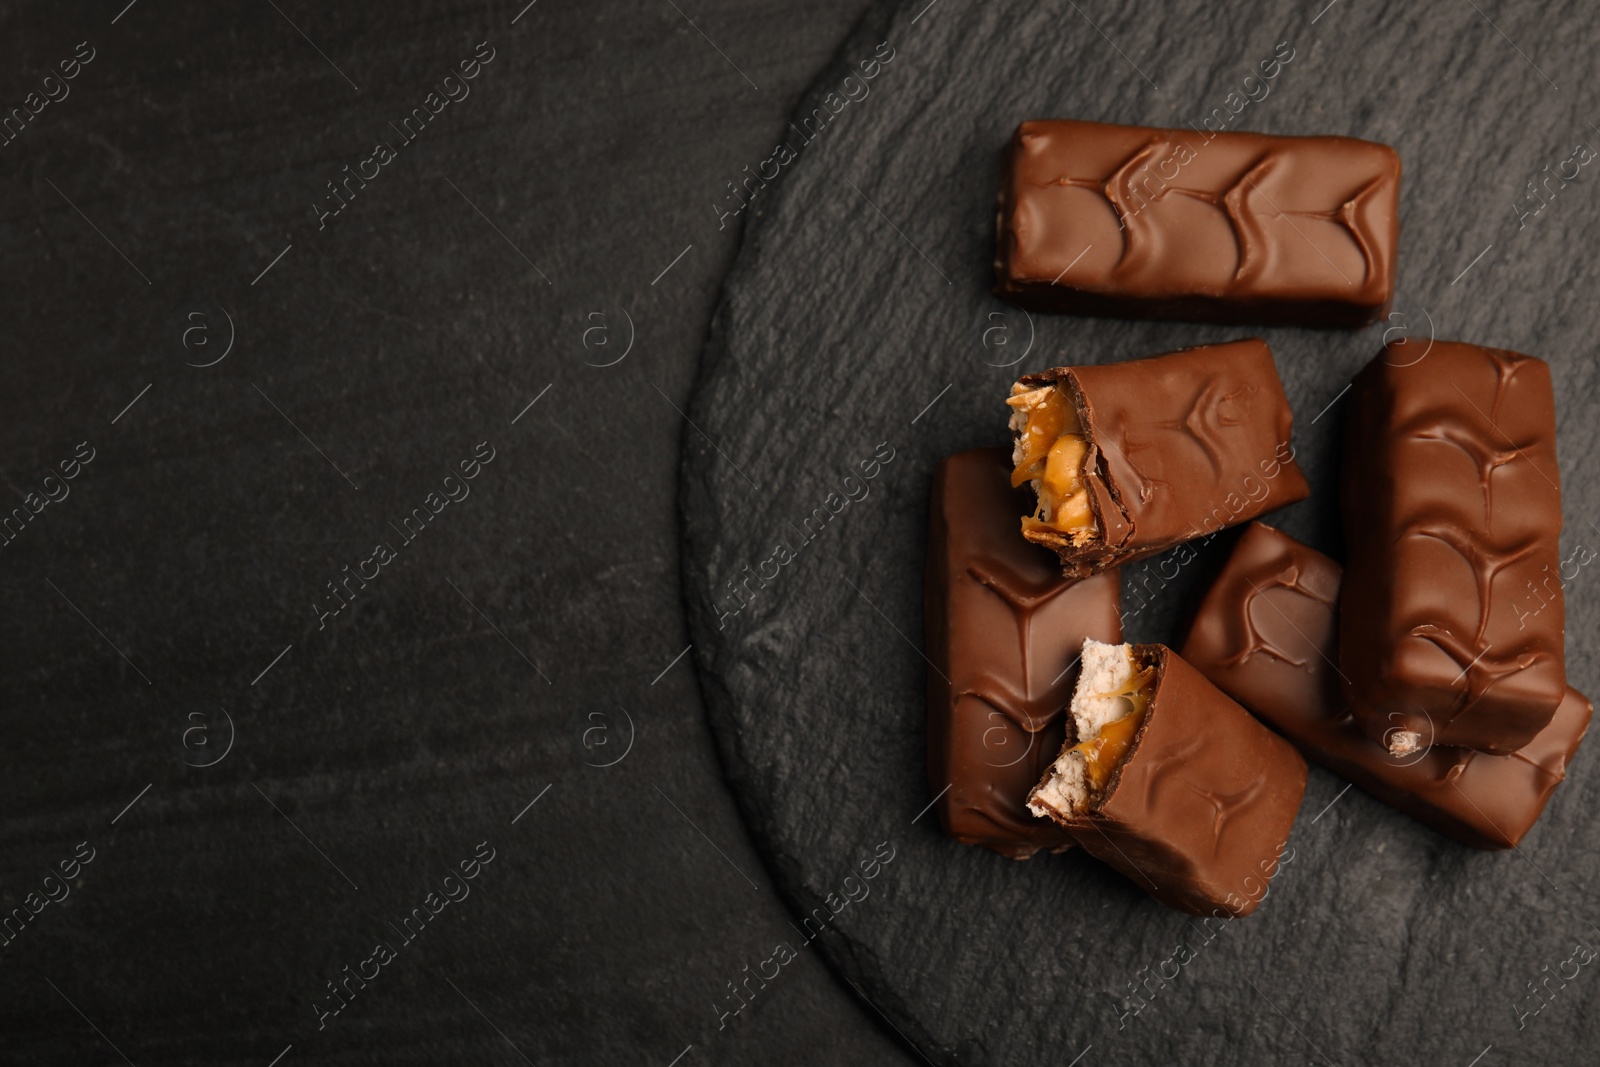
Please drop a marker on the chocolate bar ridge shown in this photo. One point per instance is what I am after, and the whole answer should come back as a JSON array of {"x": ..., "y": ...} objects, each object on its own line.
[
  {"x": 1002, "y": 628},
  {"x": 1452, "y": 508},
  {"x": 1130, "y": 221},
  {"x": 1266, "y": 634}
]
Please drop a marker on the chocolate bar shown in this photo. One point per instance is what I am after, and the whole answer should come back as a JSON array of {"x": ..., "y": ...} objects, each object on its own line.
[
  {"x": 1171, "y": 782},
  {"x": 1133, "y": 222},
  {"x": 1266, "y": 634},
  {"x": 1129, "y": 459},
  {"x": 1452, "y": 509},
  {"x": 1003, "y": 633}
]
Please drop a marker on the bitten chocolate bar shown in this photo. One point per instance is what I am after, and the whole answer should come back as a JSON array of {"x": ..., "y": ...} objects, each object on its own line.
[
  {"x": 1452, "y": 509},
  {"x": 1003, "y": 633},
  {"x": 1266, "y": 634},
  {"x": 1176, "y": 224},
  {"x": 1129, "y": 459},
  {"x": 1171, "y": 782}
]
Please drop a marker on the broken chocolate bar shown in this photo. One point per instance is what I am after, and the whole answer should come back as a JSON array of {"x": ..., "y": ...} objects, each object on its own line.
[
  {"x": 1171, "y": 782},
  {"x": 1134, "y": 222},
  {"x": 1003, "y": 633},
  {"x": 1452, "y": 509},
  {"x": 1129, "y": 459},
  {"x": 1266, "y": 634}
]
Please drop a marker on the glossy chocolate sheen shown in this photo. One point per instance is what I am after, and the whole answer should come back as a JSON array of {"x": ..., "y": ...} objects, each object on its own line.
[
  {"x": 1135, "y": 222},
  {"x": 1003, "y": 628},
  {"x": 1266, "y": 634},
  {"x": 1180, "y": 446},
  {"x": 1452, "y": 509},
  {"x": 1199, "y": 811}
]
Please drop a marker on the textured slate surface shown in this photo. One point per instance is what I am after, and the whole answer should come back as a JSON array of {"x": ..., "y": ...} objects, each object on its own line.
[
  {"x": 412, "y": 727},
  {"x": 858, "y": 313}
]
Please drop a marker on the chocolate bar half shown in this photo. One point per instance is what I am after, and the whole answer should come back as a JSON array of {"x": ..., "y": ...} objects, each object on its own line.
[
  {"x": 1129, "y": 459},
  {"x": 1172, "y": 783},
  {"x": 1003, "y": 631},
  {"x": 1134, "y": 222},
  {"x": 1266, "y": 634},
  {"x": 1452, "y": 510}
]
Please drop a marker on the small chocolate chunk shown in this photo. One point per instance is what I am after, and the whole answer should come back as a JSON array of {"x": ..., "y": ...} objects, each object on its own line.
[
  {"x": 1172, "y": 783},
  {"x": 1129, "y": 459}
]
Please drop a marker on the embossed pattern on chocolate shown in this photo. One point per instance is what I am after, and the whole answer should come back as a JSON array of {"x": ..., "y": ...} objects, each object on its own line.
[
  {"x": 1003, "y": 629},
  {"x": 1179, "y": 446},
  {"x": 1452, "y": 508},
  {"x": 1266, "y": 634},
  {"x": 1130, "y": 221}
]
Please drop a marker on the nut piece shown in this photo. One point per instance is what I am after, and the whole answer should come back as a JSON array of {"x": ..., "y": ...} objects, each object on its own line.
[{"x": 1049, "y": 453}]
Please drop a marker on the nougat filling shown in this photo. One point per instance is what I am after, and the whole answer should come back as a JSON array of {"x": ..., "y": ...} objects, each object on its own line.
[{"x": 1108, "y": 707}]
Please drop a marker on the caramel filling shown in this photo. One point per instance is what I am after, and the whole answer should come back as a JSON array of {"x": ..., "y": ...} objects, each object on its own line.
[
  {"x": 1050, "y": 451},
  {"x": 1107, "y": 749}
]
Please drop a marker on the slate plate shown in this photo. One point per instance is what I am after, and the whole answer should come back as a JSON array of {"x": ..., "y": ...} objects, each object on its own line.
[{"x": 858, "y": 313}]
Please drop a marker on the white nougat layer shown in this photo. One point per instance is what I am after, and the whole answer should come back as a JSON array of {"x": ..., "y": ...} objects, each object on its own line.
[{"x": 1106, "y": 670}]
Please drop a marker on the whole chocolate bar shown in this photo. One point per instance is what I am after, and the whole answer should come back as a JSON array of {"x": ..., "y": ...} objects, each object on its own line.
[
  {"x": 1172, "y": 783},
  {"x": 1180, "y": 224},
  {"x": 1452, "y": 509},
  {"x": 1266, "y": 634},
  {"x": 1003, "y": 633},
  {"x": 1129, "y": 459}
]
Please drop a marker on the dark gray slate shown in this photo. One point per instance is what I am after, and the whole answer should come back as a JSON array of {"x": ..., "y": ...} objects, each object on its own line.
[
  {"x": 861, "y": 294},
  {"x": 415, "y": 725}
]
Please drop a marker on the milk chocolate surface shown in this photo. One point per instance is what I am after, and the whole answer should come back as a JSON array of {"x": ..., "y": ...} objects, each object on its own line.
[
  {"x": 1266, "y": 634},
  {"x": 1452, "y": 509},
  {"x": 1135, "y": 222},
  {"x": 1179, "y": 446},
  {"x": 1003, "y": 627},
  {"x": 1198, "y": 814}
]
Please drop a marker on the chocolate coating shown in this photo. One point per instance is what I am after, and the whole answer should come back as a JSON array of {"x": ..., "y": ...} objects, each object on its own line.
[
  {"x": 1180, "y": 446},
  {"x": 1452, "y": 509},
  {"x": 1134, "y": 222},
  {"x": 1199, "y": 811},
  {"x": 1266, "y": 634},
  {"x": 1003, "y": 627}
]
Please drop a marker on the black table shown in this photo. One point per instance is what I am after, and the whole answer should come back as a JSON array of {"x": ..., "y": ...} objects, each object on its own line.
[{"x": 166, "y": 213}]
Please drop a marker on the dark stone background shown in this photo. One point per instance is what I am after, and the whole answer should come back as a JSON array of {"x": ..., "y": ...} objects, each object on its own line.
[
  {"x": 412, "y": 727},
  {"x": 861, "y": 298}
]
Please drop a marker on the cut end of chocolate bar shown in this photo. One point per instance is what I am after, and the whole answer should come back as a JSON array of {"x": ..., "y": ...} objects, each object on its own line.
[
  {"x": 1404, "y": 742},
  {"x": 1049, "y": 452},
  {"x": 1107, "y": 710}
]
